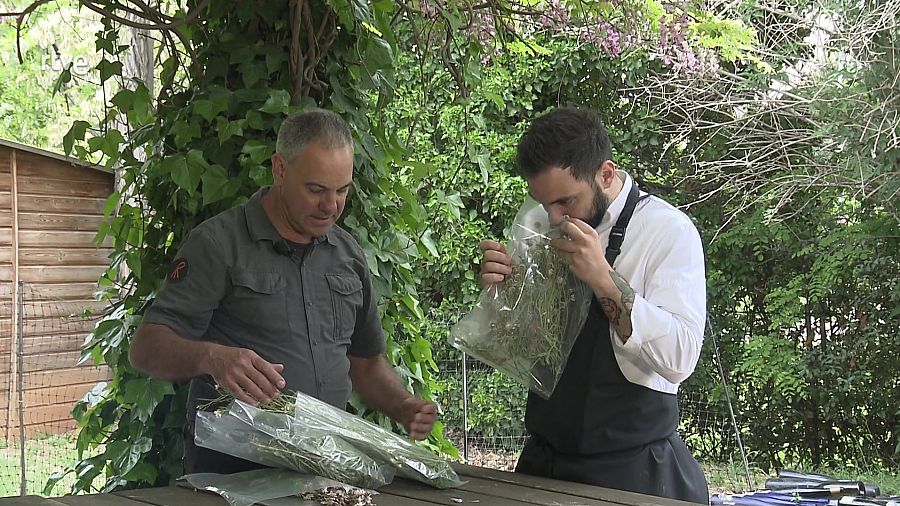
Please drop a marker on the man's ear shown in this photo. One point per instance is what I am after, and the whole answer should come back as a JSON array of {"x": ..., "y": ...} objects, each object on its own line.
[
  {"x": 606, "y": 174},
  {"x": 279, "y": 166}
]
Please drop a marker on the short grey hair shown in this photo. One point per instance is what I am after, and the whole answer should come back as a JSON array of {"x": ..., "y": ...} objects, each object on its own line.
[{"x": 310, "y": 125}]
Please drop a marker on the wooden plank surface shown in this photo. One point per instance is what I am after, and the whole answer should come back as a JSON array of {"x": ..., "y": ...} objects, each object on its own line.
[
  {"x": 172, "y": 496},
  {"x": 521, "y": 494},
  {"x": 498, "y": 491},
  {"x": 398, "y": 500},
  {"x": 35, "y": 308},
  {"x": 68, "y": 311},
  {"x": 56, "y": 256},
  {"x": 424, "y": 493},
  {"x": 52, "y": 395},
  {"x": 31, "y": 185},
  {"x": 48, "y": 361},
  {"x": 54, "y": 239},
  {"x": 62, "y": 377},
  {"x": 58, "y": 291},
  {"x": 176, "y": 496},
  {"x": 565, "y": 487},
  {"x": 58, "y": 414},
  {"x": 97, "y": 500},
  {"x": 32, "y": 164},
  {"x": 44, "y": 154},
  {"x": 39, "y": 327},
  {"x": 5, "y": 153},
  {"x": 50, "y": 221},
  {"x": 29, "y": 500},
  {"x": 61, "y": 273},
  {"x": 56, "y": 204},
  {"x": 61, "y": 341}
]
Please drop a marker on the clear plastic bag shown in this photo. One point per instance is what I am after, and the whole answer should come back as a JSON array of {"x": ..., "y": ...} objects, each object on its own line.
[
  {"x": 277, "y": 440},
  {"x": 263, "y": 486},
  {"x": 411, "y": 460},
  {"x": 526, "y": 326},
  {"x": 311, "y": 436}
]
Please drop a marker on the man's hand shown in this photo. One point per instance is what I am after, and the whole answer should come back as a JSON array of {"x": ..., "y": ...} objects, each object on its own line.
[
  {"x": 583, "y": 251},
  {"x": 587, "y": 260},
  {"x": 245, "y": 374},
  {"x": 418, "y": 416},
  {"x": 380, "y": 388},
  {"x": 495, "y": 264}
]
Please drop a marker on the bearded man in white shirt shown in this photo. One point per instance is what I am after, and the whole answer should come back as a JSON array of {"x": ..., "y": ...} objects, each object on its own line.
[{"x": 612, "y": 418}]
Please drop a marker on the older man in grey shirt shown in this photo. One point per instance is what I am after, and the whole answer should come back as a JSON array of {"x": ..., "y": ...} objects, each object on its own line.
[{"x": 273, "y": 295}]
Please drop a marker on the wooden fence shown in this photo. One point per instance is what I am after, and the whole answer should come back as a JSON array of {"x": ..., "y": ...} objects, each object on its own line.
[{"x": 50, "y": 210}]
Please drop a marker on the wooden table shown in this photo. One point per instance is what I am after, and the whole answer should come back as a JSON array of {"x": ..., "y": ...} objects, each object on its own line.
[{"x": 484, "y": 487}]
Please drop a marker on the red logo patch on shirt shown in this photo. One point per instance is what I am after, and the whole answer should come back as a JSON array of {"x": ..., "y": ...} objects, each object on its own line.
[{"x": 178, "y": 271}]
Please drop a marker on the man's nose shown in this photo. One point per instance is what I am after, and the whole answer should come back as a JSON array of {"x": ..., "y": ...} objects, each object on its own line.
[
  {"x": 330, "y": 203},
  {"x": 556, "y": 215}
]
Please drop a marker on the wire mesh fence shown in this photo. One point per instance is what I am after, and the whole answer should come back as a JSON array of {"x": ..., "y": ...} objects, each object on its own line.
[
  {"x": 42, "y": 329},
  {"x": 484, "y": 414}
]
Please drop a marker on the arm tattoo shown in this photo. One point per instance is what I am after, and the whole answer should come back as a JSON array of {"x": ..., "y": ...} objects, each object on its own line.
[
  {"x": 619, "y": 312},
  {"x": 611, "y": 309}
]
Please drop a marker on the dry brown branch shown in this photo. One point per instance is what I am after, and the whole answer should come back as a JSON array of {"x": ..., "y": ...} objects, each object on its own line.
[
  {"x": 153, "y": 18},
  {"x": 786, "y": 137}
]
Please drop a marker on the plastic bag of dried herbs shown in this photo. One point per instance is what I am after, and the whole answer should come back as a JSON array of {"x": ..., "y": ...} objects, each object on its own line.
[
  {"x": 527, "y": 325},
  {"x": 302, "y": 433},
  {"x": 278, "y": 487}
]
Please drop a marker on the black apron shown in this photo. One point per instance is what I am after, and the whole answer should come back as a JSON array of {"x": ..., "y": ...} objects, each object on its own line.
[{"x": 599, "y": 428}]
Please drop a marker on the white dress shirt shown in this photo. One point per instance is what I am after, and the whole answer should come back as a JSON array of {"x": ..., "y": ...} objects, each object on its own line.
[{"x": 662, "y": 259}]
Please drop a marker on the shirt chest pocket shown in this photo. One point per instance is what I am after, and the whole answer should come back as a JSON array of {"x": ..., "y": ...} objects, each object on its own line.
[
  {"x": 346, "y": 302},
  {"x": 258, "y": 297}
]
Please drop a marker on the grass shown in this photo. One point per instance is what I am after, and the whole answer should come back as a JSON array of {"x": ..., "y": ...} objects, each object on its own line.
[
  {"x": 43, "y": 456},
  {"x": 730, "y": 477}
]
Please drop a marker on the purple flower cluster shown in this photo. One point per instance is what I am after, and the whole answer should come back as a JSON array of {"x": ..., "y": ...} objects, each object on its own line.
[
  {"x": 677, "y": 53},
  {"x": 556, "y": 16},
  {"x": 674, "y": 48},
  {"x": 604, "y": 37},
  {"x": 596, "y": 32}
]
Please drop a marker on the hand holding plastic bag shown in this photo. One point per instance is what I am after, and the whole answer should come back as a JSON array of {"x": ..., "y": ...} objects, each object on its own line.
[{"x": 526, "y": 326}]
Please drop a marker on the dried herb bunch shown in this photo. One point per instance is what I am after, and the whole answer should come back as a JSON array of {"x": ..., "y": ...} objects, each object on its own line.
[
  {"x": 335, "y": 496},
  {"x": 299, "y": 432},
  {"x": 341, "y": 465},
  {"x": 526, "y": 326}
]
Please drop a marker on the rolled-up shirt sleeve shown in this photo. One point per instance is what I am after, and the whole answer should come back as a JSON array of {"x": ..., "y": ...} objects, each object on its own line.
[
  {"x": 195, "y": 285},
  {"x": 669, "y": 313}
]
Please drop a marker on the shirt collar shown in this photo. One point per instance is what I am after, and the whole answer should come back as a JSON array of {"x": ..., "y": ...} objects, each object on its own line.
[
  {"x": 261, "y": 227},
  {"x": 618, "y": 204}
]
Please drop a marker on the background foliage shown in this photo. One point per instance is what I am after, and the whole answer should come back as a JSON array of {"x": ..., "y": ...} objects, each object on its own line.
[
  {"x": 770, "y": 124},
  {"x": 34, "y": 108}
]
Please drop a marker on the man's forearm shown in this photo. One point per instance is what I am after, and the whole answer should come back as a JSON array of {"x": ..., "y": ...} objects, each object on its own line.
[
  {"x": 378, "y": 385},
  {"x": 158, "y": 351},
  {"x": 616, "y": 297}
]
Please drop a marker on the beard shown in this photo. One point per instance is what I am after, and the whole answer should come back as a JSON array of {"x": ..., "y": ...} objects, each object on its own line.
[{"x": 599, "y": 206}]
